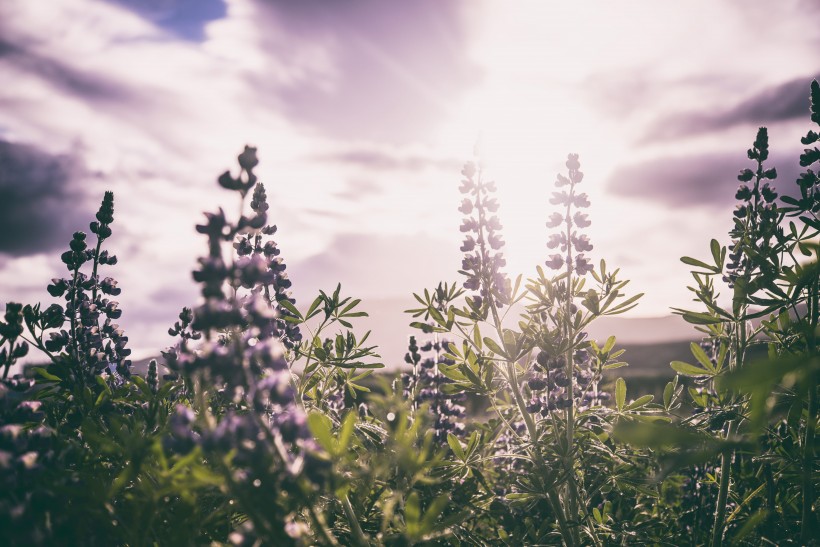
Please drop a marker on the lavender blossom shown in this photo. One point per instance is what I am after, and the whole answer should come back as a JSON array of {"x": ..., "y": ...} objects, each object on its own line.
[
  {"x": 756, "y": 217},
  {"x": 423, "y": 385},
  {"x": 570, "y": 240},
  {"x": 93, "y": 340},
  {"x": 482, "y": 263}
]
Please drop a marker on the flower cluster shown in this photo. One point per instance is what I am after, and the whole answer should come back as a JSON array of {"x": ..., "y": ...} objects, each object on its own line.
[
  {"x": 254, "y": 246},
  {"x": 549, "y": 384},
  {"x": 423, "y": 385},
  {"x": 570, "y": 239},
  {"x": 95, "y": 343},
  {"x": 482, "y": 262},
  {"x": 241, "y": 335},
  {"x": 755, "y": 217},
  {"x": 263, "y": 427},
  {"x": 10, "y": 331},
  {"x": 808, "y": 181}
]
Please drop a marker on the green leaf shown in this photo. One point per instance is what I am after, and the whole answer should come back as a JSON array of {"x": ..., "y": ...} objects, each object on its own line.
[
  {"x": 700, "y": 318},
  {"x": 290, "y": 307},
  {"x": 668, "y": 391},
  {"x": 473, "y": 442},
  {"x": 639, "y": 402},
  {"x": 321, "y": 426},
  {"x": 494, "y": 347},
  {"x": 142, "y": 385},
  {"x": 455, "y": 446},
  {"x": 43, "y": 373},
  {"x": 698, "y": 264},
  {"x": 688, "y": 370},
  {"x": 346, "y": 431},
  {"x": 436, "y": 507},
  {"x": 624, "y": 306},
  {"x": 620, "y": 393},
  {"x": 314, "y": 307},
  {"x": 353, "y": 303},
  {"x": 437, "y": 317},
  {"x": 716, "y": 254},
  {"x": 701, "y": 356},
  {"x": 412, "y": 512}
]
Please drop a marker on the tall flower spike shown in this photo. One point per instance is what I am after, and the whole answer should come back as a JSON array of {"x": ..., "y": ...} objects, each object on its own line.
[
  {"x": 808, "y": 204},
  {"x": 258, "y": 246},
  {"x": 756, "y": 216},
  {"x": 97, "y": 344},
  {"x": 570, "y": 239},
  {"x": 482, "y": 263}
]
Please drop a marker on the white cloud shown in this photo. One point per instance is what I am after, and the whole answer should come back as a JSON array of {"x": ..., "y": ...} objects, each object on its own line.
[{"x": 156, "y": 119}]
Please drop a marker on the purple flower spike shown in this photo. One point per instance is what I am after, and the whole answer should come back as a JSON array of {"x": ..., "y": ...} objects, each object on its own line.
[{"x": 482, "y": 263}]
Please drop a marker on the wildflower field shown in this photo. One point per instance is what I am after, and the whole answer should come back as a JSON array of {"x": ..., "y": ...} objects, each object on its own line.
[{"x": 269, "y": 421}]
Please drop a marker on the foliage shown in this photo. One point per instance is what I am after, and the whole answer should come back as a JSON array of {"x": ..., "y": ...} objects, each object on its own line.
[{"x": 274, "y": 425}]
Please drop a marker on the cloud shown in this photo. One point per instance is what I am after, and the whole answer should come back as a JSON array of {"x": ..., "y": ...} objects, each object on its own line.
[
  {"x": 91, "y": 87},
  {"x": 376, "y": 266},
  {"x": 703, "y": 180},
  {"x": 356, "y": 188},
  {"x": 373, "y": 159},
  {"x": 39, "y": 207},
  {"x": 773, "y": 104},
  {"x": 374, "y": 70}
]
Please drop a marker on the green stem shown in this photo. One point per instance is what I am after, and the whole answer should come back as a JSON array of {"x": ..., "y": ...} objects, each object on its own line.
[
  {"x": 570, "y": 369},
  {"x": 519, "y": 400},
  {"x": 353, "y": 521},
  {"x": 566, "y": 532},
  {"x": 726, "y": 458},
  {"x": 94, "y": 269},
  {"x": 723, "y": 494},
  {"x": 808, "y": 516}
]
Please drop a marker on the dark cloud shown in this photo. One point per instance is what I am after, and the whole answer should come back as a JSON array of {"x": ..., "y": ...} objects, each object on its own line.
[
  {"x": 700, "y": 180},
  {"x": 38, "y": 208},
  {"x": 781, "y": 102},
  {"x": 375, "y": 159},
  {"x": 397, "y": 65},
  {"x": 61, "y": 76},
  {"x": 183, "y": 18}
]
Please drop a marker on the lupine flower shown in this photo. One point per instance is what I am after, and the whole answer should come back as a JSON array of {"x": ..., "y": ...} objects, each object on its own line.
[
  {"x": 548, "y": 383},
  {"x": 264, "y": 268},
  {"x": 808, "y": 182},
  {"x": 482, "y": 264},
  {"x": 93, "y": 340},
  {"x": 755, "y": 217},
  {"x": 569, "y": 239},
  {"x": 242, "y": 354},
  {"x": 423, "y": 384}
]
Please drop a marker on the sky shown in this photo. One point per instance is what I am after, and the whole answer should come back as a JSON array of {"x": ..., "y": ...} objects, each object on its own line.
[{"x": 363, "y": 113}]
